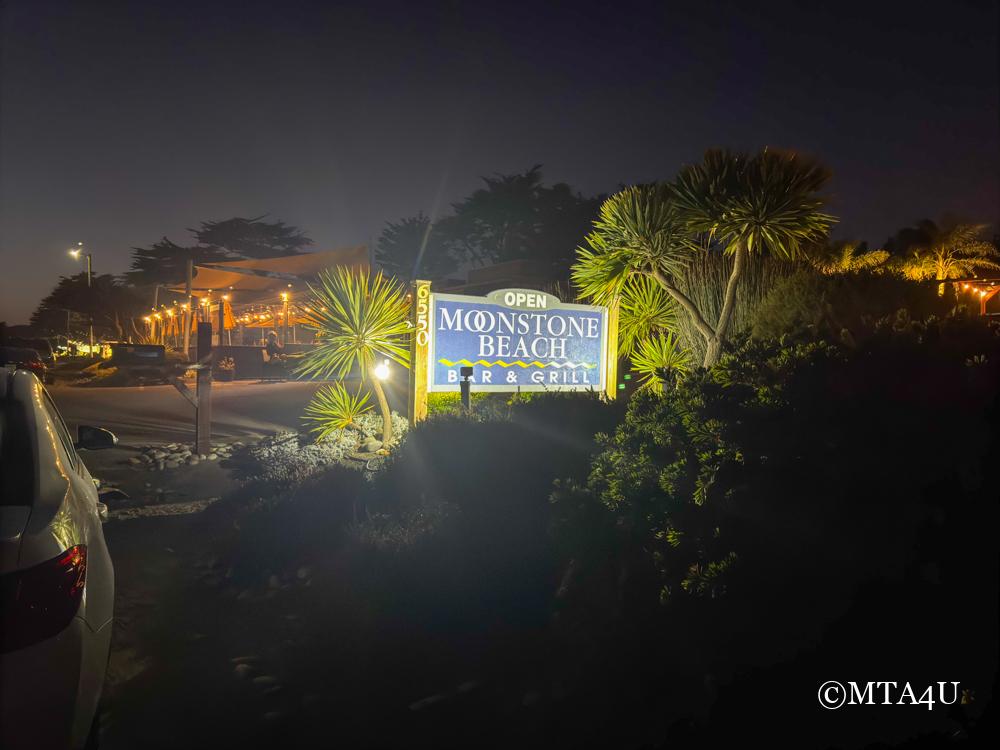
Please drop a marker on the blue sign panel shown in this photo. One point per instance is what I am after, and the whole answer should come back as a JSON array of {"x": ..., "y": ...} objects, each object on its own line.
[{"x": 516, "y": 340}]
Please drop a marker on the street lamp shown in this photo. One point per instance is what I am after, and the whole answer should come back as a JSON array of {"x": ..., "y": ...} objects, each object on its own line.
[
  {"x": 284, "y": 316},
  {"x": 76, "y": 252}
]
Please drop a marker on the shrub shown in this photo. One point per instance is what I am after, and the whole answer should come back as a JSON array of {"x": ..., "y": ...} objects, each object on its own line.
[
  {"x": 811, "y": 304},
  {"x": 476, "y": 491},
  {"x": 740, "y": 514}
]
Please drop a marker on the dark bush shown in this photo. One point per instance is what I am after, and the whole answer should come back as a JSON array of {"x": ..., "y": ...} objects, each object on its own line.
[
  {"x": 751, "y": 524},
  {"x": 485, "y": 484},
  {"x": 809, "y": 304}
]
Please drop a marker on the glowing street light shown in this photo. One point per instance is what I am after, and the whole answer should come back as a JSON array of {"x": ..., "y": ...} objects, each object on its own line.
[
  {"x": 76, "y": 252},
  {"x": 382, "y": 370}
]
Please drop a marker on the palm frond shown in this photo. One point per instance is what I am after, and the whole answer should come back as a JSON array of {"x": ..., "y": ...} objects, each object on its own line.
[
  {"x": 636, "y": 231},
  {"x": 767, "y": 202},
  {"x": 645, "y": 309},
  {"x": 359, "y": 318},
  {"x": 659, "y": 359},
  {"x": 333, "y": 408}
]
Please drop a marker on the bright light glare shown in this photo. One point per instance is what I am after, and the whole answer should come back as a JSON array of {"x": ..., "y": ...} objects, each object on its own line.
[
  {"x": 75, "y": 253},
  {"x": 382, "y": 371}
]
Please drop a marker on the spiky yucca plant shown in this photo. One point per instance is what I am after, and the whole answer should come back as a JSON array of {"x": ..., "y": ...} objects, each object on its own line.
[
  {"x": 659, "y": 359},
  {"x": 359, "y": 318},
  {"x": 333, "y": 408},
  {"x": 644, "y": 310}
]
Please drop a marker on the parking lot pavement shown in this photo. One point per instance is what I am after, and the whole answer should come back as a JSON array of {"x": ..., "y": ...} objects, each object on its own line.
[{"x": 144, "y": 415}]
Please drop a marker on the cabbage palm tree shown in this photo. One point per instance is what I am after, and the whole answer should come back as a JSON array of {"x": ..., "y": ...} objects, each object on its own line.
[
  {"x": 359, "y": 319},
  {"x": 765, "y": 203},
  {"x": 950, "y": 252},
  {"x": 743, "y": 204}
]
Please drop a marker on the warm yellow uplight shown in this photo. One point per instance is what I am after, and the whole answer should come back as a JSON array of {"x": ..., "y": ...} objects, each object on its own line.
[{"x": 382, "y": 370}]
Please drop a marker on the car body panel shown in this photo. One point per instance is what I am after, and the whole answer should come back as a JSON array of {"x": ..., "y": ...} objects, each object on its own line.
[{"x": 60, "y": 678}]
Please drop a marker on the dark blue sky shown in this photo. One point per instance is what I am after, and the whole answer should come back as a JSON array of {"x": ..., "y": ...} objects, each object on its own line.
[{"x": 123, "y": 122}]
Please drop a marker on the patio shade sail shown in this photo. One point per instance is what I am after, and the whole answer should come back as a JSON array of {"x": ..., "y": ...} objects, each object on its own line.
[{"x": 265, "y": 274}]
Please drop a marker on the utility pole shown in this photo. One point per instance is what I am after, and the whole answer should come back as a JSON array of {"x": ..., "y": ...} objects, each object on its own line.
[
  {"x": 203, "y": 409},
  {"x": 190, "y": 310},
  {"x": 75, "y": 252}
]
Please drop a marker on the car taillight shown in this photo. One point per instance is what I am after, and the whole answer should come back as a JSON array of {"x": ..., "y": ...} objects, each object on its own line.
[{"x": 39, "y": 602}]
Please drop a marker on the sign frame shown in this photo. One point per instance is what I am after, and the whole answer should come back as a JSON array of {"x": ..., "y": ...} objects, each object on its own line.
[{"x": 602, "y": 370}]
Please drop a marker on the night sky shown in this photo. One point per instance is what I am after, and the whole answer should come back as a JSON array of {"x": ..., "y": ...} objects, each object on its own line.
[{"x": 124, "y": 122}]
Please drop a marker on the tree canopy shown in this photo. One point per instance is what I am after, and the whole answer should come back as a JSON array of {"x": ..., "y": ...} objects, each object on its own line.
[
  {"x": 512, "y": 217},
  {"x": 165, "y": 262},
  {"x": 110, "y": 302},
  {"x": 412, "y": 247}
]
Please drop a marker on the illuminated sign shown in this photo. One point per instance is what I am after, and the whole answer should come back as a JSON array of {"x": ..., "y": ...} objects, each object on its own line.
[{"x": 516, "y": 340}]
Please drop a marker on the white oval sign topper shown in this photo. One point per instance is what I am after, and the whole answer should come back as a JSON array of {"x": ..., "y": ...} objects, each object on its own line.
[{"x": 524, "y": 299}]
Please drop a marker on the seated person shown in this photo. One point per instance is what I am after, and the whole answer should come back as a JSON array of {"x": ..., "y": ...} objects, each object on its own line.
[{"x": 273, "y": 351}]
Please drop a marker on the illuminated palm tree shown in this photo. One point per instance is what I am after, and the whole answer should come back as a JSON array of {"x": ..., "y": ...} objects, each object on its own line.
[
  {"x": 847, "y": 257},
  {"x": 950, "y": 252},
  {"x": 733, "y": 202},
  {"x": 359, "y": 319},
  {"x": 766, "y": 203}
]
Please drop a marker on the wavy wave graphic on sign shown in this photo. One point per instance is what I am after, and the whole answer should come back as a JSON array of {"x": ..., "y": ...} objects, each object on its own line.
[{"x": 519, "y": 363}]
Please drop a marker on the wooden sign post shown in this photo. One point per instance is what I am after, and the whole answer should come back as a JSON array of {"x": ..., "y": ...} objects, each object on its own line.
[
  {"x": 201, "y": 399},
  {"x": 203, "y": 409},
  {"x": 419, "y": 341}
]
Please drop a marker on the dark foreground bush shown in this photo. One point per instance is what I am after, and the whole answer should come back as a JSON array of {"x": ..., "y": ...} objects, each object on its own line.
[
  {"x": 796, "y": 514},
  {"x": 460, "y": 515}
]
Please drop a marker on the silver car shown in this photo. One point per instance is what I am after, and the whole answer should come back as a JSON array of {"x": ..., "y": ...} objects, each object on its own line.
[{"x": 56, "y": 579}]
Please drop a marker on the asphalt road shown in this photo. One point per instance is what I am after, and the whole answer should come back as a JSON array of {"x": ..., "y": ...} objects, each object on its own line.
[{"x": 159, "y": 414}]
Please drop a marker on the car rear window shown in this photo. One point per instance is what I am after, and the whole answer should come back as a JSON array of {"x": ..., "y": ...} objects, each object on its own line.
[{"x": 17, "y": 460}]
